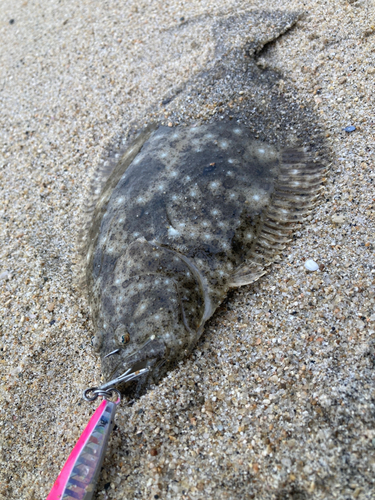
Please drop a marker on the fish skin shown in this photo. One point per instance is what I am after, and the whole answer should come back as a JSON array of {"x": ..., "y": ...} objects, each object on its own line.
[
  {"x": 182, "y": 218},
  {"x": 152, "y": 284}
]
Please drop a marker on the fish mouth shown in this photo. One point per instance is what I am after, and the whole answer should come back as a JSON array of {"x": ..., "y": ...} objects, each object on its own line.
[{"x": 141, "y": 366}]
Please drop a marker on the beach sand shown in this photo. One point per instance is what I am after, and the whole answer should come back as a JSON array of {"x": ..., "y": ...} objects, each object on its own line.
[{"x": 277, "y": 400}]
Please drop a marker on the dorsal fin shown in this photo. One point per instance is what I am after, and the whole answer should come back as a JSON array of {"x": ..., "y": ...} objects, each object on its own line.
[
  {"x": 98, "y": 186},
  {"x": 297, "y": 188}
]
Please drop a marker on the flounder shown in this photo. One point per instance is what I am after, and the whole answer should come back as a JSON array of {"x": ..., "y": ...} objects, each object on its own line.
[{"x": 188, "y": 212}]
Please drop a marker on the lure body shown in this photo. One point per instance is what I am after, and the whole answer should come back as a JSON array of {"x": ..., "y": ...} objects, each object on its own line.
[
  {"x": 80, "y": 473},
  {"x": 187, "y": 213}
]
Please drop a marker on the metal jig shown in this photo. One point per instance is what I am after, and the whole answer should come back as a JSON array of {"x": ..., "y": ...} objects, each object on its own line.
[{"x": 78, "y": 478}]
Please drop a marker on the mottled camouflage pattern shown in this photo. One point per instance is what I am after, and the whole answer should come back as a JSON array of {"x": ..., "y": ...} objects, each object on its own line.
[
  {"x": 184, "y": 216},
  {"x": 189, "y": 211}
]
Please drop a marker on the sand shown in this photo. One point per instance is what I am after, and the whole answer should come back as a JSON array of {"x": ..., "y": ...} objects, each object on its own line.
[{"x": 277, "y": 400}]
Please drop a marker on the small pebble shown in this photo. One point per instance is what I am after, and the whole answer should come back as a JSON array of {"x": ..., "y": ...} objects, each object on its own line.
[
  {"x": 311, "y": 265},
  {"x": 338, "y": 219},
  {"x": 51, "y": 306},
  {"x": 350, "y": 128}
]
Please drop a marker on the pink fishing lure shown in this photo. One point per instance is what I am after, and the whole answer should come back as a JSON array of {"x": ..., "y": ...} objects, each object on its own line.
[{"x": 80, "y": 473}]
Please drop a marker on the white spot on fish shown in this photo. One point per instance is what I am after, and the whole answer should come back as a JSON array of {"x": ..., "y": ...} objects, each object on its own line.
[
  {"x": 256, "y": 197},
  {"x": 249, "y": 236},
  {"x": 140, "y": 199},
  {"x": 230, "y": 160},
  {"x": 237, "y": 131},
  {"x": 261, "y": 151},
  {"x": 215, "y": 212},
  {"x": 173, "y": 232},
  {"x": 223, "y": 144},
  {"x": 142, "y": 307}
]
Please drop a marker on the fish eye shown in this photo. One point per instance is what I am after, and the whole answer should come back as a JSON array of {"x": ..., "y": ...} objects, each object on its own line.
[{"x": 122, "y": 335}]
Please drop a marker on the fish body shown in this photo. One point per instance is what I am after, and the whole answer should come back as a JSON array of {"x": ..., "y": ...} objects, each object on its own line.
[
  {"x": 192, "y": 212},
  {"x": 189, "y": 211}
]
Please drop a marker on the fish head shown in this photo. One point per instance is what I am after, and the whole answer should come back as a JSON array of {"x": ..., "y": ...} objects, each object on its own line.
[{"x": 151, "y": 322}]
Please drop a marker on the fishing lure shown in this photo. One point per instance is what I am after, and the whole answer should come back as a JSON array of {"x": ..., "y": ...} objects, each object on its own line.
[{"x": 78, "y": 477}]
